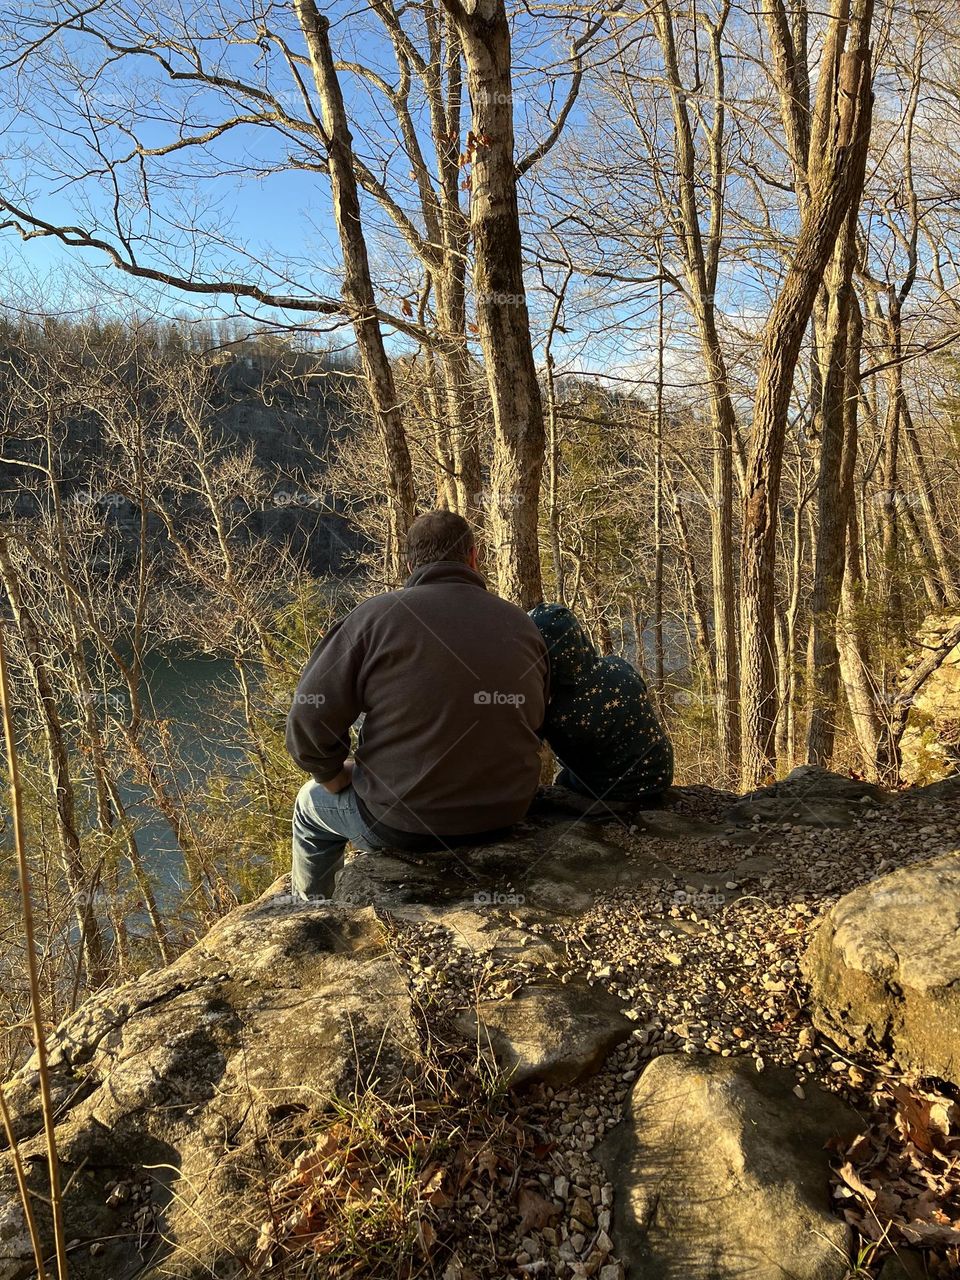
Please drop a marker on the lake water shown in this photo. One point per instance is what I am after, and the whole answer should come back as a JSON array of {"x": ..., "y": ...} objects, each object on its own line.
[{"x": 190, "y": 691}]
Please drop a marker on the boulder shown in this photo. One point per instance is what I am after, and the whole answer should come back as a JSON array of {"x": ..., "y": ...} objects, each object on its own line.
[
  {"x": 937, "y": 794},
  {"x": 173, "y": 1091},
  {"x": 556, "y": 1034},
  {"x": 720, "y": 1172},
  {"x": 810, "y": 796},
  {"x": 546, "y": 869},
  {"x": 550, "y": 867},
  {"x": 930, "y": 746},
  {"x": 884, "y": 968}
]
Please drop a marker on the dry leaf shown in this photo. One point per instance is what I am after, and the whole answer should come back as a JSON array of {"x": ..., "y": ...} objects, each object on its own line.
[
  {"x": 855, "y": 1182},
  {"x": 886, "y": 1204},
  {"x": 923, "y": 1120},
  {"x": 535, "y": 1211},
  {"x": 930, "y": 1233},
  {"x": 859, "y": 1148}
]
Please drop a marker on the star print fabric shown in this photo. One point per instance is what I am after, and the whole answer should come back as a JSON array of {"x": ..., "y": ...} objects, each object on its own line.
[{"x": 600, "y": 722}]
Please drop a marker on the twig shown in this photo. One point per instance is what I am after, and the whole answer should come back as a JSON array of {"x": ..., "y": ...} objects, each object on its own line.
[
  {"x": 25, "y": 1198},
  {"x": 16, "y": 807}
]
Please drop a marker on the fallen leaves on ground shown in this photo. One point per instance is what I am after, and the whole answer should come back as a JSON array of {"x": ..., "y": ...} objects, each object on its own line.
[
  {"x": 898, "y": 1182},
  {"x": 536, "y": 1211},
  {"x": 378, "y": 1190}
]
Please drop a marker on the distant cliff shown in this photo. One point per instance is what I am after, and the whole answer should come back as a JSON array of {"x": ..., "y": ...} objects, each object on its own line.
[{"x": 282, "y": 408}]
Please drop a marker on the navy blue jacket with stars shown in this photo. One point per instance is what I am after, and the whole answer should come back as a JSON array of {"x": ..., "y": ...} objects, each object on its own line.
[{"x": 600, "y": 721}]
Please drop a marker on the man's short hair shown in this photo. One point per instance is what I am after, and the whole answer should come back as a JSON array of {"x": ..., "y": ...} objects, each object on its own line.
[{"x": 439, "y": 535}]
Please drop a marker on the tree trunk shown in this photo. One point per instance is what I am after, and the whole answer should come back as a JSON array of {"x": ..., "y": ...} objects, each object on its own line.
[
  {"x": 358, "y": 291},
  {"x": 852, "y": 641},
  {"x": 61, "y": 782},
  {"x": 658, "y": 548},
  {"x": 840, "y": 385},
  {"x": 840, "y": 141},
  {"x": 501, "y": 299},
  {"x": 697, "y": 598},
  {"x": 946, "y": 572},
  {"x": 700, "y": 265}
]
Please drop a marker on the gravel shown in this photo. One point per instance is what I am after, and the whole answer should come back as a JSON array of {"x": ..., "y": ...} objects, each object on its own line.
[{"x": 701, "y": 969}]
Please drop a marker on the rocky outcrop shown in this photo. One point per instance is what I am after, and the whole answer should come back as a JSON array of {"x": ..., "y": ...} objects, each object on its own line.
[
  {"x": 180, "y": 1096},
  {"x": 884, "y": 968},
  {"x": 177, "y": 1092},
  {"x": 170, "y": 1091},
  {"x": 720, "y": 1172},
  {"x": 810, "y": 796},
  {"x": 930, "y": 746}
]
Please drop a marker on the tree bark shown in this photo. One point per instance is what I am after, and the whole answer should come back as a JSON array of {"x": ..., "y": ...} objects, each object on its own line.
[
  {"x": 701, "y": 255},
  {"x": 358, "y": 291},
  {"x": 840, "y": 386},
  {"x": 61, "y": 782},
  {"x": 502, "y": 316},
  {"x": 839, "y": 138}
]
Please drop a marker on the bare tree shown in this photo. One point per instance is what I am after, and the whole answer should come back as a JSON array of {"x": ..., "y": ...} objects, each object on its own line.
[{"x": 839, "y": 139}]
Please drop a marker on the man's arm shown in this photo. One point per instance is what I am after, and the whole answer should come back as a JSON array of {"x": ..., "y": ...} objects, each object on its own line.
[
  {"x": 342, "y": 780},
  {"x": 326, "y": 704}
]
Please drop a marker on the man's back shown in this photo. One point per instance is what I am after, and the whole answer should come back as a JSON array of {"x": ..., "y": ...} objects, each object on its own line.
[{"x": 452, "y": 681}]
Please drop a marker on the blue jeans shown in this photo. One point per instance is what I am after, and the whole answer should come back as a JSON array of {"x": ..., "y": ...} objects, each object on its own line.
[{"x": 322, "y": 825}]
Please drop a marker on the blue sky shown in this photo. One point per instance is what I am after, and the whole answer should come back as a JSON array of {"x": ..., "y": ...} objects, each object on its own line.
[
  {"x": 275, "y": 214},
  {"x": 258, "y": 215}
]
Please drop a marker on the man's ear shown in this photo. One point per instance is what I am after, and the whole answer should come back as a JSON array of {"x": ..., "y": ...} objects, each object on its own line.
[{"x": 472, "y": 557}]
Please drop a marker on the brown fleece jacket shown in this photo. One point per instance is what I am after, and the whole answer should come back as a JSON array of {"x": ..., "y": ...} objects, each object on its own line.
[{"x": 452, "y": 682}]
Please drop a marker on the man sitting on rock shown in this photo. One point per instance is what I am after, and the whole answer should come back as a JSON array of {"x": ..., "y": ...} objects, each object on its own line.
[
  {"x": 452, "y": 683},
  {"x": 600, "y": 723}
]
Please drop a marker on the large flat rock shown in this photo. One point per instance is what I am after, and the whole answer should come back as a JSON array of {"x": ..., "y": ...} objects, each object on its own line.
[
  {"x": 884, "y": 968},
  {"x": 552, "y": 869}
]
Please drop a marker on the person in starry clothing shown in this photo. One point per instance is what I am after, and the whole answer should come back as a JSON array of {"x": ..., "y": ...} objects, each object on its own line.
[{"x": 600, "y": 721}]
